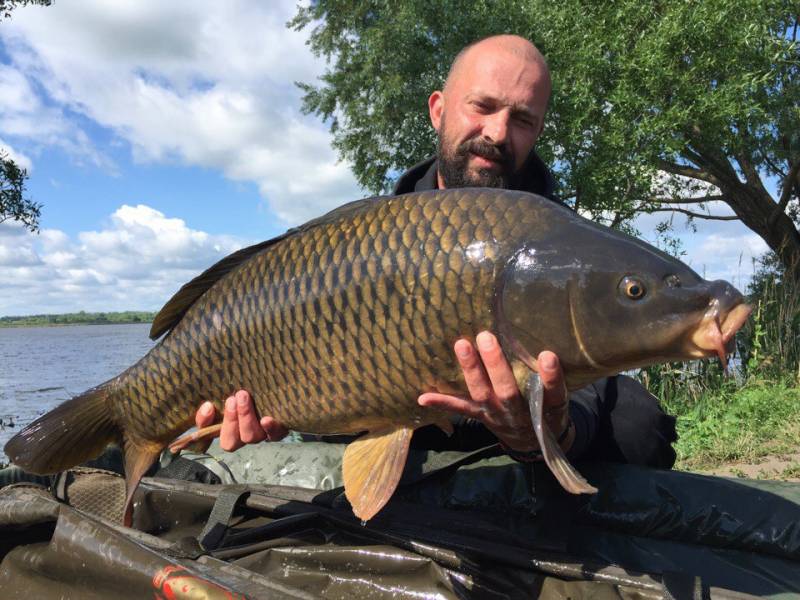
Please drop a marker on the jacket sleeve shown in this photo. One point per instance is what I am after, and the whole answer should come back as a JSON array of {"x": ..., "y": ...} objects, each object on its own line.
[{"x": 618, "y": 420}]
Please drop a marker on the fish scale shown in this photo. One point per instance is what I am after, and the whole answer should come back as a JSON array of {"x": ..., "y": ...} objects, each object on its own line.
[
  {"x": 338, "y": 326},
  {"x": 293, "y": 286}
]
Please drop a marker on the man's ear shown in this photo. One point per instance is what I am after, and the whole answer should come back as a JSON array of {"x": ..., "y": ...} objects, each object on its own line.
[{"x": 435, "y": 108}]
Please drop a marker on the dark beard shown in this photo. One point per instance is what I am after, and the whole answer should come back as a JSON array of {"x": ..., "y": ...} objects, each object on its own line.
[{"x": 453, "y": 168}]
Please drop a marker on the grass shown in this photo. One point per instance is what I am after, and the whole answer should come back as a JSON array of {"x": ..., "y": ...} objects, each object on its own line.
[{"x": 736, "y": 424}]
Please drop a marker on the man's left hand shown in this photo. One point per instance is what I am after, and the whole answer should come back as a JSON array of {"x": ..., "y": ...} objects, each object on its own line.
[{"x": 494, "y": 397}]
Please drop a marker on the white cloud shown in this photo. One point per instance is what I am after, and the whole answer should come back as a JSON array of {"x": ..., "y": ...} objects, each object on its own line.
[
  {"x": 717, "y": 249},
  {"x": 22, "y": 160},
  {"x": 730, "y": 256},
  {"x": 203, "y": 83},
  {"x": 136, "y": 263}
]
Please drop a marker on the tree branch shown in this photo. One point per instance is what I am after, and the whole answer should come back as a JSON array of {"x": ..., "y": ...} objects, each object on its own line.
[
  {"x": 774, "y": 167},
  {"x": 697, "y": 215},
  {"x": 695, "y": 200},
  {"x": 786, "y": 195},
  {"x": 749, "y": 170},
  {"x": 685, "y": 171}
]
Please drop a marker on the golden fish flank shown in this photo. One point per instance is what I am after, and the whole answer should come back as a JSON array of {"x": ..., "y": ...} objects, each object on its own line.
[{"x": 338, "y": 325}]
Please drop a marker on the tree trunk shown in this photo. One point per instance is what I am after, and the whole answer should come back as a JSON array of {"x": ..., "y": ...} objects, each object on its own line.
[{"x": 756, "y": 209}]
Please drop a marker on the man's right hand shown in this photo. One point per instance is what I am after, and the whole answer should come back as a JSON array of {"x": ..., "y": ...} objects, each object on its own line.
[{"x": 240, "y": 423}]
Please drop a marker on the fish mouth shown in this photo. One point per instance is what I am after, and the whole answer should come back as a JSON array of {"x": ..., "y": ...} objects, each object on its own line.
[{"x": 714, "y": 334}]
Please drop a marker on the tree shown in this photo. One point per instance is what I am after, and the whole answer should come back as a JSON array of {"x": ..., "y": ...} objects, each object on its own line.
[
  {"x": 657, "y": 106},
  {"x": 6, "y": 6},
  {"x": 13, "y": 204}
]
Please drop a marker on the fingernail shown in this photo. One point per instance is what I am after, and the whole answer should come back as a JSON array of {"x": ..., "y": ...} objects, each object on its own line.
[
  {"x": 206, "y": 409},
  {"x": 485, "y": 340},
  {"x": 464, "y": 349},
  {"x": 230, "y": 403},
  {"x": 241, "y": 401},
  {"x": 548, "y": 361}
]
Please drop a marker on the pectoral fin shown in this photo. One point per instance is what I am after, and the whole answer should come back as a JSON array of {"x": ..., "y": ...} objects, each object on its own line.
[
  {"x": 567, "y": 476},
  {"x": 371, "y": 468},
  {"x": 195, "y": 439}
]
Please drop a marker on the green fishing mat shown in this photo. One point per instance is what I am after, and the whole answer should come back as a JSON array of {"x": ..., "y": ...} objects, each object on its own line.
[{"x": 461, "y": 525}]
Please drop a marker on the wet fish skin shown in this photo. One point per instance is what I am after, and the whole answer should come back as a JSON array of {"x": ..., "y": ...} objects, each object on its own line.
[
  {"x": 339, "y": 325},
  {"x": 312, "y": 328}
]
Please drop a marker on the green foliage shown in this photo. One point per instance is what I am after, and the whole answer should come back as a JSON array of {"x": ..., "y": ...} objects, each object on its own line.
[
  {"x": 654, "y": 102},
  {"x": 737, "y": 424},
  {"x": 79, "y": 318},
  {"x": 13, "y": 204},
  {"x": 769, "y": 343},
  {"x": 767, "y": 347},
  {"x": 6, "y": 6},
  {"x": 755, "y": 410}
]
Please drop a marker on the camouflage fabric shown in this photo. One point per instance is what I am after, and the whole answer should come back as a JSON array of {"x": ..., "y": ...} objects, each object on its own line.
[{"x": 312, "y": 465}]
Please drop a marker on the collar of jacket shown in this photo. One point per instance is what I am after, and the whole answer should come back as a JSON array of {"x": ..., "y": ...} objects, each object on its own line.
[{"x": 535, "y": 177}]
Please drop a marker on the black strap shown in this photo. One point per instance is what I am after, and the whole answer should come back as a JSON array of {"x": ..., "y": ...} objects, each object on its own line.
[
  {"x": 213, "y": 533},
  {"x": 682, "y": 586},
  {"x": 188, "y": 470},
  {"x": 439, "y": 464}
]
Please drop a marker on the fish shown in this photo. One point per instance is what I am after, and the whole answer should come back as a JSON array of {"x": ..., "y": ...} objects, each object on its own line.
[{"x": 337, "y": 326}]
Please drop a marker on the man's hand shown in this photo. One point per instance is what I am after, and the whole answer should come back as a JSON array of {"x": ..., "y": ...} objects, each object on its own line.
[
  {"x": 495, "y": 400},
  {"x": 240, "y": 424}
]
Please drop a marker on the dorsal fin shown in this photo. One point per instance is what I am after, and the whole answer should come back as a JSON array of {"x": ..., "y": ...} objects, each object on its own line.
[{"x": 176, "y": 307}]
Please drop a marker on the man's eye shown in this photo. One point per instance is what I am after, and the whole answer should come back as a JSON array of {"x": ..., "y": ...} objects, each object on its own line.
[{"x": 525, "y": 122}]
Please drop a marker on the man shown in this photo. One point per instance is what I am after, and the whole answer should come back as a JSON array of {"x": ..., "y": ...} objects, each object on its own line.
[{"x": 488, "y": 118}]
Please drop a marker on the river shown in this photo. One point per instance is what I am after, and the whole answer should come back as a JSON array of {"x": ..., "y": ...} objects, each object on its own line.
[{"x": 40, "y": 367}]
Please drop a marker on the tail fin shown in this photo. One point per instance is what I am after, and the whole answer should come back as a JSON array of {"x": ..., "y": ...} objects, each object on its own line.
[{"x": 72, "y": 433}]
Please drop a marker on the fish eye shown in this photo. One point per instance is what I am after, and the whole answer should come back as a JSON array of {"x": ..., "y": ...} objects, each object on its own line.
[
  {"x": 632, "y": 287},
  {"x": 672, "y": 281}
]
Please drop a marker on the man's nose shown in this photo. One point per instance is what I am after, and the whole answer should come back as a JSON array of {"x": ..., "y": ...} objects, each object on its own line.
[{"x": 495, "y": 127}]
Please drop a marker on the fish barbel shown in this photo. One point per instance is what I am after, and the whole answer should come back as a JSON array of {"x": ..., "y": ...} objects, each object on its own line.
[{"x": 338, "y": 325}]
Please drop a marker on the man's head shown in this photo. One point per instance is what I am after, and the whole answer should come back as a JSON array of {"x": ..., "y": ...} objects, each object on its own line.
[{"x": 491, "y": 111}]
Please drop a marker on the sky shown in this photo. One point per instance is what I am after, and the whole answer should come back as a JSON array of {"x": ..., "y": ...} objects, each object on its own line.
[{"x": 161, "y": 136}]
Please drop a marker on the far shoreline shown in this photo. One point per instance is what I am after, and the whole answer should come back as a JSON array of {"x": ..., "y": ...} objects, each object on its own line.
[{"x": 80, "y": 318}]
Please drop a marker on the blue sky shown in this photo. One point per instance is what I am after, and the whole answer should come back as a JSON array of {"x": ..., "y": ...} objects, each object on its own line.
[{"x": 161, "y": 136}]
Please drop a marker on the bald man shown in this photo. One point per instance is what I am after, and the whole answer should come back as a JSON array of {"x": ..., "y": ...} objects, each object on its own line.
[{"x": 488, "y": 117}]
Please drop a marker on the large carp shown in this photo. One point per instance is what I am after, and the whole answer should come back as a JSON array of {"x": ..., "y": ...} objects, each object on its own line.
[{"x": 338, "y": 325}]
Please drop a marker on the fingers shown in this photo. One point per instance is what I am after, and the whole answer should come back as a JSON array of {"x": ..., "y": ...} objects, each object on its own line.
[
  {"x": 478, "y": 384},
  {"x": 556, "y": 407},
  {"x": 250, "y": 430},
  {"x": 240, "y": 422},
  {"x": 501, "y": 377},
  {"x": 555, "y": 388},
  {"x": 229, "y": 435},
  {"x": 273, "y": 430},
  {"x": 205, "y": 415},
  {"x": 466, "y": 407}
]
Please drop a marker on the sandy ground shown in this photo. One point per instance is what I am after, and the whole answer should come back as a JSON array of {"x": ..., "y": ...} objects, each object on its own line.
[{"x": 784, "y": 467}]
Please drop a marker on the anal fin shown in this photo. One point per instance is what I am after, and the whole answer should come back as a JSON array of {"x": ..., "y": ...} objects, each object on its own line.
[
  {"x": 554, "y": 456},
  {"x": 138, "y": 459},
  {"x": 371, "y": 469}
]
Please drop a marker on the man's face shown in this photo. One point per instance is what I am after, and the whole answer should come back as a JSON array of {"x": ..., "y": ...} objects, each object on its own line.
[{"x": 488, "y": 118}]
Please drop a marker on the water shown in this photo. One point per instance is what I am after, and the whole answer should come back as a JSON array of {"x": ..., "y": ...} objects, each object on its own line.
[{"x": 40, "y": 367}]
